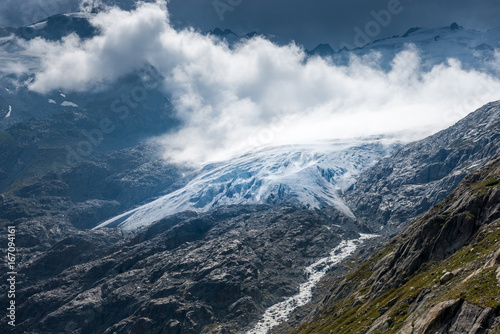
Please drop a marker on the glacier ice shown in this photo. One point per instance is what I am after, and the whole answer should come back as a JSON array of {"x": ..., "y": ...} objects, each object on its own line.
[{"x": 305, "y": 175}]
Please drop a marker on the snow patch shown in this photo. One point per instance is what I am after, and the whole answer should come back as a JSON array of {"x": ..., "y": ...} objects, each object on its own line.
[
  {"x": 39, "y": 25},
  {"x": 69, "y": 104},
  {"x": 52, "y": 101},
  {"x": 8, "y": 114},
  {"x": 279, "y": 313}
]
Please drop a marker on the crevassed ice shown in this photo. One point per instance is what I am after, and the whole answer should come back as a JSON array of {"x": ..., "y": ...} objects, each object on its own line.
[{"x": 306, "y": 175}]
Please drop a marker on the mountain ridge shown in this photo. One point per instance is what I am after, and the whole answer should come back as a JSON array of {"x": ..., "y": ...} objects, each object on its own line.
[
  {"x": 266, "y": 222},
  {"x": 421, "y": 174},
  {"x": 441, "y": 274}
]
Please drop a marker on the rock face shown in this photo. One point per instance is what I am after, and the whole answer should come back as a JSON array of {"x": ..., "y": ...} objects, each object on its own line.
[
  {"x": 436, "y": 318},
  {"x": 453, "y": 316},
  {"x": 438, "y": 276},
  {"x": 405, "y": 185},
  {"x": 189, "y": 273},
  {"x": 52, "y": 205},
  {"x": 217, "y": 272}
]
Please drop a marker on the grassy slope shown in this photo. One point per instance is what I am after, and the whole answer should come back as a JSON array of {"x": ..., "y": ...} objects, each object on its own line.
[{"x": 474, "y": 282}]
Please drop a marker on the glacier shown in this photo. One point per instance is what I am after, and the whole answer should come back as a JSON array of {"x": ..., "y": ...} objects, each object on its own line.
[{"x": 311, "y": 175}]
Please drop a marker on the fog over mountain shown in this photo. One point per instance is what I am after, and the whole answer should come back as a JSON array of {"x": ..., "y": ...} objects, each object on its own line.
[
  {"x": 234, "y": 166},
  {"x": 258, "y": 93}
]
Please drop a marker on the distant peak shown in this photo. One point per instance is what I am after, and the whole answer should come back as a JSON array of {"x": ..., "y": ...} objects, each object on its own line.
[
  {"x": 220, "y": 32},
  {"x": 411, "y": 31},
  {"x": 322, "y": 50},
  {"x": 252, "y": 34},
  {"x": 455, "y": 26}
]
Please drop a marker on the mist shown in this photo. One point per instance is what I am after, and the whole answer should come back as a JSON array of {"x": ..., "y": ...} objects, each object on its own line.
[{"x": 256, "y": 94}]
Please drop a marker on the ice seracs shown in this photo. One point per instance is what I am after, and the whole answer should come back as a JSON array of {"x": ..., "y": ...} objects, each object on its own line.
[{"x": 304, "y": 175}]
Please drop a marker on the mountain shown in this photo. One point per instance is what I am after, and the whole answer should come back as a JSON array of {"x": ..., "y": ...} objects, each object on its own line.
[
  {"x": 231, "y": 268},
  {"x": 322, "y": 50},
  {"x": 355, "y": 178},
  {"x": 311, "y": 176},
  {"x": 401, "y": 187},
  {"x": 214, "y": 272},
  {"x": 440, "y": 275},
  {"x": 235, "y": 246},
  {"x": 103, "y": 100},
  {"x": 474, "y": 49},
  {"x": 230, "y": 37},
  {"x": 53, "y": 28}
]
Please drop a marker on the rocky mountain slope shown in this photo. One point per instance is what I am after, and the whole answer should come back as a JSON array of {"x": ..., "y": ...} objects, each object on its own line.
[
  {"x": 440, "y": 275},
  {"x": 47, "y": 205},
  {"x": 406, "y": 184},
  {"x": 387, "y": 195},
  {"x": 69, "y": 161},
  {"x": 189, "y": 273}
]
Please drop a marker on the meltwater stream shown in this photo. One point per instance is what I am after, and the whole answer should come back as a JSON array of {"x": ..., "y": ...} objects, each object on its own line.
[{"x": 279, "y": 312}]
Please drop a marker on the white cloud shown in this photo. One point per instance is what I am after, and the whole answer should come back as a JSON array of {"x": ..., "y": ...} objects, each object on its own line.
[
  {"x": 127, "y": 41},
  {"x": 260, "y": 93}
]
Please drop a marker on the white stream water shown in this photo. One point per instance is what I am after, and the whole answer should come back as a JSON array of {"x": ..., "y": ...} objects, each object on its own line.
[{"x": 279, "y": 312}]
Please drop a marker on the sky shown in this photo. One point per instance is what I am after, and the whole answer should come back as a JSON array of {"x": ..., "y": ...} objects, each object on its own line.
[{"x": 306, "y": 22}]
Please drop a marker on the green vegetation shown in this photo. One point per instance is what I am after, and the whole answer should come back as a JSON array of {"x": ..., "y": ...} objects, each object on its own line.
[
  {"x": 357, "y": 312},
  {"x": 491, "y": 182},
  {"x": 483, "y": 186},
  {"x": 482, "y": 289},
  {"x": 366, "y": 269}
]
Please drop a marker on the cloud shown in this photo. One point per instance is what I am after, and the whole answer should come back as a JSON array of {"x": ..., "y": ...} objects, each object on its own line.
[
  {"x": 127, "y": 41},
  {"x": 260, "y": 93}
]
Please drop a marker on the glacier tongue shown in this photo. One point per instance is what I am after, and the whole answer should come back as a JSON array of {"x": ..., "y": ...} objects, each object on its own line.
[{"x": 305, "y": 175}]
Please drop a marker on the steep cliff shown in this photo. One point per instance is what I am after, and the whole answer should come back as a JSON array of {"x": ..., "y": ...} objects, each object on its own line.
[
  {"x": 440, "y": 275},
  {"x": 406, "y": 184}
]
